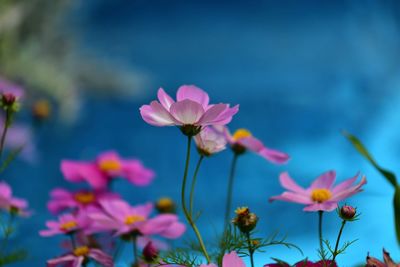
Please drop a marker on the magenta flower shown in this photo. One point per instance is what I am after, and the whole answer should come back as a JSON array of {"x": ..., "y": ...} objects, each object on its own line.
[
  {"x": 321, "y": 195},
  {"x": 191, "y": 108},
  {"x": 304, "y": 263},
  {"x": 119, "y": 217},
  {"x": 66, "y": 224},
  {"x": 229, "y": 260},
  {"x": 243, "y": 140},
  {"x": 209, "y": 142},
  {"x": 81, "y": 255},
  {"x": 107, "y": 166},
  {"x": 62, "y": 199},
  {"x": 10, "y": 203},
  {"x": 388, "y": 262}
]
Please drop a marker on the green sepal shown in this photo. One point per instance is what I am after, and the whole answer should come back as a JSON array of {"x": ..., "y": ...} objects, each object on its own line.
[
  {"x": 390, "y": 176},
  {"x": 396, "y": 207}
]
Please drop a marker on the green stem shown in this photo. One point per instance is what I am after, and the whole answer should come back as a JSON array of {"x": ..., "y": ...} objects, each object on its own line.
[
  {"x": 250, "y": 248},
  {"x": 184, "y": 208},
  {"x": 337, "y": 242},
  {"x": 321, "y": 245},
  {"x": 230, "y": 192},
  {"x": 194, "y": 184},
  {"x": 135, "y": 250},
  {"x": 5, "y": 129}
]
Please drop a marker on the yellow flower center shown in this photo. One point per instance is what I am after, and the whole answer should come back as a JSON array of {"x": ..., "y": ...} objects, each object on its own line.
[
  {"x": 67, "y": 226},
  {"x": 81, "y": 251},
  {"x": 240, "y": 134},
  {"x": 41, "y": 108},
  {"x": 131, "y": 219},
  {"x": 84, "y": 197},
  {"x": 165, "y": 202},
  {"x": 321, "y": 195},
  {"x": 242, "y": 210},
  {"x": 110, "y": 165}
]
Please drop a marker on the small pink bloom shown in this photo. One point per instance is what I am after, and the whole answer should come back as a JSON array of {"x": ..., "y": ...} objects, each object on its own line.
[
  {"x": 66, "y": 224},
  {"x": 10, "y": 203},
  {"x": 388, "y": 262},
  {"x": 229, "y": 260},
  {"x": 304, "y": 263},
  {"x": 62, "y": 199},
  {"x": 321, "y": 195},
  {"x": 121, "y": 218},
  {"x": 243, "y": 140},
  {"x": 209, "y": 142},
  {"x": 79, "y": 256},
  {"x": 107, "y": 166},
  {"x": 190, "y": 108}
]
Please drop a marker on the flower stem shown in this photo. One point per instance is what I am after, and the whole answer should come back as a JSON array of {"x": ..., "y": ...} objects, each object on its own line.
[
  {"x": 184, "y": 208},
  {"x": 194, "y": 184},
  {"x": 337, "y": 242},
  {"x": 7, "y": 123},
  {"x": 135, "y": 251},
  {"x": 230, "y": 191},
  {"x": 321, "y": 245},
  {"x": 250, "y": 248}
]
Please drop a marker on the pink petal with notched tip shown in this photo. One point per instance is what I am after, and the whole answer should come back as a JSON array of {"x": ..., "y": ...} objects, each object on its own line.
[
  {"x": 232, "y": 260},
  {"x": 187, "y": 112},
  {"x": 101, "y": 257},
  {"x": 165, "y": 100},
  {"x": 325, "y": 180},
  {"x": 226, "y": 116},
  {"x": 325, "y": 206},
  {"x": 136, "y": 173},
  {"x": 155, "y": 114},
  {"x": 212, "y": 114},
  {"x": 193, "y": 93},
  {"x": 345, "y": 184},
  {"x": 74, "y": 171},
  {"x": 68, "y": 260},
  {"x": 143, "y": 210},
  {"x": 292, "y": 197},
  {"x": 274, "y": 156},
  {"x": 288, "y": 183},
  {"x": 349, "y": 191},
  {"x": 116, "y": 208}
]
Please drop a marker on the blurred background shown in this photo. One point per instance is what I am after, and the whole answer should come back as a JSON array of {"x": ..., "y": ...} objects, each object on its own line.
[{"x": 301, "y": 71}]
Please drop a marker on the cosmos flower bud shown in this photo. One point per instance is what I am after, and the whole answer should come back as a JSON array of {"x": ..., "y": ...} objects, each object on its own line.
[
  {"x": 347, "y": 212},
  {"x": 150, "y": 252},
  {"x": 245, "y": 220},
  {"x": 9, "y": 102},
  {"x": 165, "y": 205}
]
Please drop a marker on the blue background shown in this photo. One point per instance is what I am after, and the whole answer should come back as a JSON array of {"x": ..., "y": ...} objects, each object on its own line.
[{"x": 301, "y": 71}]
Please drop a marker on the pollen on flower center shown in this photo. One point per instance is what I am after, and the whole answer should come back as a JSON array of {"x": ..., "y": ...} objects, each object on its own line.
[
  {"x": 240, "y": 134},
  {"x": 84, "y": 197},
  {"x": 321, "y": 195},
  {"x": 81, "y": 251},
  {"x": 68, "y": 226},
  {"x": 131, "y": 219},
  {"x": 110, "y": 165}
]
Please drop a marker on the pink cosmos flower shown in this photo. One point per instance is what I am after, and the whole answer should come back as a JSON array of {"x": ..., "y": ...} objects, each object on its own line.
[
  {"x": 66, "y": 224},
  {"x": 388, "y": 262},
  {"x": 304, "y": 263},
  {"x": 321, "y": 195},
  {"x": 79, "y": 256},
  {"x": 119, "y": 217},
  {"x": 229, "y": 260},
  {"x": 107, "y": 166},
  {"x": 62, "y": 199},
  {"x": 10, "y": 203},
  {"x": 191, "y": 108},
  {"x": 209, "y": 142},
  {"x": 243, "y": 140}
]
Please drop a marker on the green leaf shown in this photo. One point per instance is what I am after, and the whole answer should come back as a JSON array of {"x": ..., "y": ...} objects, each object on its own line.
[
  {"x": 15, "y": 256},
  {"x": 364, "y": 152},
  {"x": 10, "y": 158},
  {"x": 396, "y": 206}
]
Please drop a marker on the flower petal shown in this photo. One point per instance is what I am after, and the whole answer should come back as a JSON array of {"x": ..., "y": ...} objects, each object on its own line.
[
  {"x": 101, "y": 257},
  {"x": 212, "y": 114},
  {"x": 187, "y": 112},
  {"x": 292, "y": 197},
  {"x": 345, "y": 184},
  {"x": 325, "y": 180},
  {"x": 274, "y": 156},
  {"x": 232, "y": 260},
  {"x": 226, "y": 116},
  {"x": 165, "y": 100},
  {"x": 288, "y": 183},
  {"x": 193, "y": 93},
  {"x": 325, "y": 206},
  {"x": 74, "y": 171},
  {"x": 155, "y": 114},
  {"x": 349, "y": 191}
]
